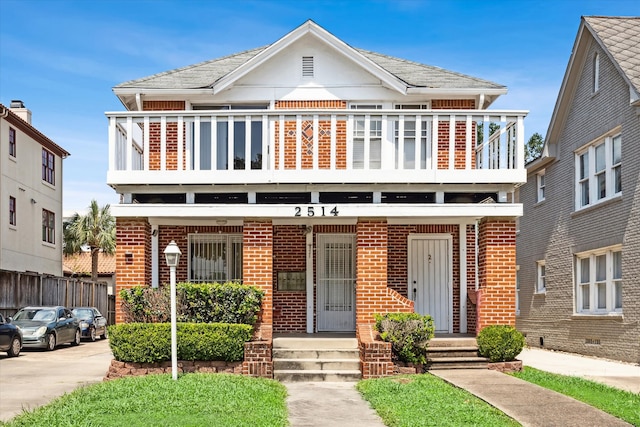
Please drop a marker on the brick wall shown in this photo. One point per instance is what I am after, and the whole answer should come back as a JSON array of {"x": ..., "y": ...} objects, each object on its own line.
[
  {"x": 497, "y": 273},
  {"x": 257, "y": 264},
  {"x": 289, "y": 254},
  {"x": 375, "y": 355},
  {"x": 172, "y": 135},
  {"x": 133, "y": 256}
]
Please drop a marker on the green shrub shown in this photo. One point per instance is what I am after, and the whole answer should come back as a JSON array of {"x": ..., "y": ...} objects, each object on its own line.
[
  {"x": 195, "y": 302},
  {"x": 408, "y": 333},
  {"x": 500, "y": 343},
  {"x": 151, "y": 342}
]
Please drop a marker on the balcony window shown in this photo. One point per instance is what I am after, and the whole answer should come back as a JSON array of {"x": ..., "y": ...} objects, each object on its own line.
[
  {"x": 215, "y": 257},
  {"x": 48, "y": 167},
  {"x": 599, "y": 171},
  {"x": 599, "y": 281}
]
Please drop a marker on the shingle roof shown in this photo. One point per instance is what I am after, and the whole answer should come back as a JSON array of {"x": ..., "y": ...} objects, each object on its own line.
[
  {"x": 205, "y": 74},
  {"x": 81, "y": 263},
  {"x": 621, "y": 37}
]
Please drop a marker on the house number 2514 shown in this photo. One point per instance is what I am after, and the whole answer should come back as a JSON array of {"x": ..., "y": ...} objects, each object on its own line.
[{"x": 316, "y": 211}]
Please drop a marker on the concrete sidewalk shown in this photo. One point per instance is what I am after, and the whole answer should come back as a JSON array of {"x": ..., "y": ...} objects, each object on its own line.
[
  {"x": 527, "y": 403},
  {"x": 625, "y": 376}
]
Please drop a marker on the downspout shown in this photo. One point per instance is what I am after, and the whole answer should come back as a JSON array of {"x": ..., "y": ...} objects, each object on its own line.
[
  {"x": 477, "y": 256},
  {"x": 139, "y": 101}
]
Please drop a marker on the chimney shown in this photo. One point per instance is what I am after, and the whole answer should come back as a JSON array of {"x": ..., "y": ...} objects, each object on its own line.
[{"x": 18, "y": 108}]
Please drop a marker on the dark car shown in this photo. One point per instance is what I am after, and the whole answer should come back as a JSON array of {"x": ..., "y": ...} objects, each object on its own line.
[
  {"x": 46, "y": 327},
  {"x": 92, "y": 322},
  {"x": 10, "y": 337}
]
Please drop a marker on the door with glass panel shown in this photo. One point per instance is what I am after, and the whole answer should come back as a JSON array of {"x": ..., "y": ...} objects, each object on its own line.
[{"x": 336, "y": 278}]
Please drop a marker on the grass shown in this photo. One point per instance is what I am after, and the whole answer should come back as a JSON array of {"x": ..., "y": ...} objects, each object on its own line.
[
  {"x": 619, "y": 403},
  {"x": 156, "y": 400},
  {"x": 425, "y": 400}
]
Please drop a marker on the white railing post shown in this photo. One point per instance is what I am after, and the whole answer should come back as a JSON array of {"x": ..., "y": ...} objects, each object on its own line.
[
  {"x": 129, "y": 149},
  {"x": 145, "y": 144},
  {"x": 112, "y": 143},
  {"x": 519, "y": 142}
]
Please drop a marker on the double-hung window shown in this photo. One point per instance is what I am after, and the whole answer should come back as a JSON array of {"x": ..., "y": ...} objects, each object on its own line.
[
  {"x": 48, "y": 167},
  {"x": 541, "y": 277},
  {"x": 12, "y": 142},
  {"x": 48, "y": 226},
  {"x": 599, "y": 281},
  {"x": 12, "y": 211},
  {"x": 367, "y": 137},
  {"x": 540, "y": 186},
  {"x": 599, "y": 171},
  {"x": 215, "y": 257}
]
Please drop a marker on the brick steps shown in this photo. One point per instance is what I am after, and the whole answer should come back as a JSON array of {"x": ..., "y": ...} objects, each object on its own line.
[{"x": 454, "y": 353}]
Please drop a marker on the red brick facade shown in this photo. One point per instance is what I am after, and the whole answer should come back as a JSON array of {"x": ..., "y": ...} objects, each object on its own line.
[{"x": 257, "y": 263}]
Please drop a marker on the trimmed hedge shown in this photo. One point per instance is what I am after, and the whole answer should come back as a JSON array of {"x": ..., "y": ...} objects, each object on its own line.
[
  {"x": 500, "y": 343},
  {"x": 195, "y": 302},
  {"x": 408, "y": 333},
  {"x": 151, "y": 342}
]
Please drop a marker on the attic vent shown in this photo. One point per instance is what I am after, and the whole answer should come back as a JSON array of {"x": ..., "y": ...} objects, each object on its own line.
[
  {"x": 592, "y": 341},
  {"x": 307, "y": 66}
]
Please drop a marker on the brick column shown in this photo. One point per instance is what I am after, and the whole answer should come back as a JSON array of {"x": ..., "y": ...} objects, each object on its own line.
[
  {"x": 257, "y": 264},
  {"x": 133, "y": 257},
  {"x": 371, "y": 268},
  {"x": 496, "y": 303}
]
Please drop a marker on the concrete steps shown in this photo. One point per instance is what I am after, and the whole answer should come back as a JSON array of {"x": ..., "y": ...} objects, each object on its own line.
[
  {"x": 300, "y": 359},
  {"x": 454, "y": 353}
]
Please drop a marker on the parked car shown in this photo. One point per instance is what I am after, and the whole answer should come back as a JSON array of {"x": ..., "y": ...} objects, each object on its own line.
[
  {"x": 47, "y": 327},
  {"x": 10, "y": 337},
  {"x": 92, "y": 322}
]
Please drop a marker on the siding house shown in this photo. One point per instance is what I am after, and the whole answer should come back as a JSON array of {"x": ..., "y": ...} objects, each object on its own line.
[
  {"x": 579, "y": 240},
  {"x": 30, "y": 195},
  {"x": 342, "y": 182}
]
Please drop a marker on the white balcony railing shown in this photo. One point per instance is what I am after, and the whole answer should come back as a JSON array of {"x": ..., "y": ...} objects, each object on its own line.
[{"x": 316, "y": 146}]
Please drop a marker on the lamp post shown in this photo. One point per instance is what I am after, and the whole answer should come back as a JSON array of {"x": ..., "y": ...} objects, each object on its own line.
[{"x": 172, "y": 254}]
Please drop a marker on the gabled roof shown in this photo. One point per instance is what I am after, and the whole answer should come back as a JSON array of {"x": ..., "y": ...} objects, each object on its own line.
[
  {"x": 619, "y": 38},
  {"x": 396, "y": 73}
]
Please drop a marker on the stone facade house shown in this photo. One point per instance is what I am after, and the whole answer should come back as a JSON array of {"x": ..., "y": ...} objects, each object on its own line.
[
  {"x": 579, "y": 240},
  {"x": 342, "y": 182}
]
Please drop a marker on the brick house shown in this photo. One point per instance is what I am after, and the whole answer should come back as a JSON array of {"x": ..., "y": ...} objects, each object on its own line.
[
  {"x": 579, "y": 240},
  {"x": 341, "y": 181}
]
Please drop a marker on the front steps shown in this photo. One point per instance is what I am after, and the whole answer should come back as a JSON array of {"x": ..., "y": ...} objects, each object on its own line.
[
  {"x": 309, "y": 358},
  {"x": 454, "y": 353}
]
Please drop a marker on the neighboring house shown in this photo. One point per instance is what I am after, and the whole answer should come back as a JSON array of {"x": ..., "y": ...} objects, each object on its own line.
[
  {"x": 340, "y": 181},
  {"x": 79, "y": 265},
  {"x": 579, "y": 240},
  {"x": 30, "y": 195}
]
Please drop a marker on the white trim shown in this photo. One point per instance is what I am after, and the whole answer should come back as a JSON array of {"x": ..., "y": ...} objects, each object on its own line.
[
  {"x": 463, "y": 277},
  {"x": 310, "y": 280},
  {"x": 540, "y": 276},
  {"x": 541, "y": 186},
  {"x": 592, "y": 284}
]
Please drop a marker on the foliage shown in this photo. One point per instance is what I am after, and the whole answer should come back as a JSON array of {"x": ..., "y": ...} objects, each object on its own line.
[
  {"x": 96, "y": 229},
  {"x": 408, "y": 333},
  {"x": 425, "y": 400},
  {"x": 619, "y": 403},
  {"x": 214, "y": 302},
  {"x": 151, "y": 342},
  {"x": 197, "y": 400},
  {"x": 493, "y": 127},
  {"x": 534, "y": 148},
  {"x": 195, "y": 302},
  {"x": 500, "y": 343}
]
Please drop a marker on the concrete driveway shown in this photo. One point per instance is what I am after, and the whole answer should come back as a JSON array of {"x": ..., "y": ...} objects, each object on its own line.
[{"x": 36, "y": 377}]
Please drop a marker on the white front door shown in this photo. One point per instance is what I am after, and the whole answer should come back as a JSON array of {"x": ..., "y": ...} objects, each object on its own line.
[
  {"x": 431, "y": 277},
  {"x": 336, "y": 278}
]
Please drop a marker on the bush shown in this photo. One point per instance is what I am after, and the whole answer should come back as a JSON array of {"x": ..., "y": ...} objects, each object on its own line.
[
  {"x": 500, "y": 343},
  {"x": 408, "y": 333},
  {"x": 195, "y": 302},
  {"x": 151, "y": 342}
]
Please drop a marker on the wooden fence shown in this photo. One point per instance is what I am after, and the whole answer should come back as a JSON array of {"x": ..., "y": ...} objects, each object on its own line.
[{"x": 20, "y": 289}]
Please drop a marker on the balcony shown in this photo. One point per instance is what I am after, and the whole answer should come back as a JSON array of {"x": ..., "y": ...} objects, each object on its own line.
[{"x": 204, "y": 147}]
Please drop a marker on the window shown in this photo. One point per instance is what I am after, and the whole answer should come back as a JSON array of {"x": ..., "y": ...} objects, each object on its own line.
[
  {"x": 410, "y": 137},
  {"x": 599, "y": 171},
  {"x": 596, "y": 72},
  {"x": 307, "y": 66},
  {"x": 368, "y": 128},
  {"x": 540, "y": 180},
  {"x": 48, "y": 167},
  {"x": 215, "y": 257},
  {"x": 599, "y": 281},
  {"x": 48, "y": 226},
  {"x": 12, "y": 211},
  {"x": 541, "y": 283},
  {"x": 12, "y": 142}
]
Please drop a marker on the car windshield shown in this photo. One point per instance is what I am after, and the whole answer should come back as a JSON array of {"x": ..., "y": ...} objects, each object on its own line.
[
  {"x": 83, "y": 313},
  {"x": 36, "y": 314}
]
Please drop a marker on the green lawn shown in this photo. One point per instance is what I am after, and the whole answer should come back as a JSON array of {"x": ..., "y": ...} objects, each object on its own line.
[
  {"x": 156, "y": 400},
  {"x": 619, "y": 403},
  {"x": 425, "y": 400}
]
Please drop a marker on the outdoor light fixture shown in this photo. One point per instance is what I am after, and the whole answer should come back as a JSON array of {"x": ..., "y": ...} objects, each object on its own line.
[{"x": 172, "y": 254}]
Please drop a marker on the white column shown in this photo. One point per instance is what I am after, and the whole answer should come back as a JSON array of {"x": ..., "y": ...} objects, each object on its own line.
[{"x": 463, "y": 278}]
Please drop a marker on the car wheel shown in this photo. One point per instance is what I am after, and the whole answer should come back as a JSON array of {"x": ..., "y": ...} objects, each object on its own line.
[
  {"x": 51, "y": 342},
  {"x": 92, "y": 333},
  {"x": 14, "y": 350},
  {"x": 76, "y": 339},
  {"x": 104, "y": 335}
]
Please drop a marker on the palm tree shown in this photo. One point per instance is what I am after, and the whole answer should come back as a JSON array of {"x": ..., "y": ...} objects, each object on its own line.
[{"x": 95, "y": 230}]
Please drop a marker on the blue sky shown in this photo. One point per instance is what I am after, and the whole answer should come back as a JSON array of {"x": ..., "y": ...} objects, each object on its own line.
[{"x": 63, "y": 57}]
